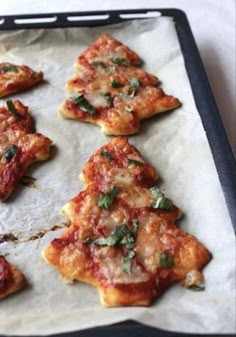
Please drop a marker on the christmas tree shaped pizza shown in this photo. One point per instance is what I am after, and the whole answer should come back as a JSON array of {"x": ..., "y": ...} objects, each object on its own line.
[
  {"x": 110, "y": 90},
  {"x": 123, "y": 238}
]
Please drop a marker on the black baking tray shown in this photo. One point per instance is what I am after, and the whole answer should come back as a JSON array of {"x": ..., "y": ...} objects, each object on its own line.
[{"x": 204, "y": 100}]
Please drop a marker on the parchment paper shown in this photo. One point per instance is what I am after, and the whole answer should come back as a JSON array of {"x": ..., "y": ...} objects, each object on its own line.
[{"x": 174, "y": 143}]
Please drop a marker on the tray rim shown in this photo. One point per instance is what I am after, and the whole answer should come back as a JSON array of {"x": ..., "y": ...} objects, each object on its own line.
[{"x": 205, "y": 102}]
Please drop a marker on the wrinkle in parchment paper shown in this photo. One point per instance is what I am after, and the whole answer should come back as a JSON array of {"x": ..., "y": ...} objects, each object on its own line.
[{"x": 174, "y": 143}]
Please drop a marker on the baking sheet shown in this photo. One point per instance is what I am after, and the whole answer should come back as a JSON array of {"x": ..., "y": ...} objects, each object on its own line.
[{"x": 174, "y": 143}]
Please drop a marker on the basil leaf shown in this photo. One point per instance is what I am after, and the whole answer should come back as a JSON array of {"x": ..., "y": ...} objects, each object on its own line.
[
  {"x": 134, "y": 83},
  {"x": 9, "y": 153},
  {"x": 111, "y": 69},
  {"x": 155, "y": 192},
  {"x": 161, "y": 201},
  {"x": 130, "y": 239},
  {"x": 98, "y": 64},
  {"x": 167, "y": 262},
  {"x": 136, "y": 162},
  {"x": 119, "y": 60},
  {"x": 127, "y": 261},
  {"x": 122, "y": 235},
  {"x": 134, "y": 229},
  {"x": 4, "y": 69},
  {"x": 196, "y": 287},
  {"x": 115, "y": 84},
  {"x": 109, "y": 241},
  {"x": 121, "y": 231},
  {"x": 112, "y": 240},
  {"x": 108, "y": 97},
  {"x": 105, "y": 200},
  {"x": 105, "y": 153},
  {"x": 83, "y": 104},
  {"x": 12, "y": 109}
]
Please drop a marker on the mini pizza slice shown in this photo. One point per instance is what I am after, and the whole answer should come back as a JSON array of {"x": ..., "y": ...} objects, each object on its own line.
[
  {"x": 11, "y": 278},
  {"x": 124, "y": 241},
  {"x": 15, "y": 116},
  {"x": 15, "y": 78},
  {"x": 109, "y": 51},
  {"x": 118, "y": 162},
  {"x": 109, "y": 90},
  {"x": 17, "y": 151}
]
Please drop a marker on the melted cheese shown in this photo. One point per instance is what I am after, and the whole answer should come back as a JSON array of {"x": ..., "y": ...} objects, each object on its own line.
[
  {"x": 119, "y": 175},
  {"x": 97, "y": 99}
]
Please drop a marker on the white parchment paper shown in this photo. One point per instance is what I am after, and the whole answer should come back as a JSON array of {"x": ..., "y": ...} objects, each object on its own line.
[{"x": 174, "y": 143}]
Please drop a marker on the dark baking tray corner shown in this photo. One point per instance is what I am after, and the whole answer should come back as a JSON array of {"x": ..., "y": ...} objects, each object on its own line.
[{"x": 206, "y": 105}]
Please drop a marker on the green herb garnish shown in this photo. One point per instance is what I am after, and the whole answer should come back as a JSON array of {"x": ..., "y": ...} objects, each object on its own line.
[
  {"x": 4, "y": 69},
  {"x": 134, "y": 85},
  {"x": 12, "y": 109},
  {"x": 9, "y": 153},
  {"x": 167, "y": 262},
  {"x": 114, "y": 239},
  {"x": 111, "y": 69},
  {"x": 134, "y": 161},
  {"x": 161, "y": 201},
  {"x": 134, "y": 229},
  {"x": 83, "y": 104},
  {"x": 105, "y": 200},
  {"x": 127, "y": 261},
  {"x": 122, "y": 235},
  {"x": 115, "y": 84},
  {"x": 108, "y": 97},
  {"x": 196, "y": 287},
  {"x": 119, "y": 233},
  {"x": 119, "y": 60},
  {"x": 129, "y": 240},
  {"x": 106, "y": 153},
  {"x": 99, "y": 64}
]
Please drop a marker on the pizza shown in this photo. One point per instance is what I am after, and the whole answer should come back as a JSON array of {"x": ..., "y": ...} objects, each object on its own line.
[
  {"x": 11, "y": 278},
  {"x": 15, "y": 78},
  {"x": 123, "y": 238},
  {"x": 109, "y": 89},
  {"x": 19, "y": 146}
]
